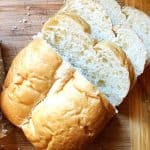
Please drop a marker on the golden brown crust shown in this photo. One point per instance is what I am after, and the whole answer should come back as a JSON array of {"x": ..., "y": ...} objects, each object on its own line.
[
  {"x": 54, "y": 21},
  {"x": 28, "y": 81},
  {"x": 125, "y": 61},
  {"x": 56, "y": 107},
  {"x": 76, "y": 115}
]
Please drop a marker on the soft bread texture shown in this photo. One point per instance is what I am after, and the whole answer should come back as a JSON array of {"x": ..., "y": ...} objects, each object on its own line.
[
  {"x": 53, "y": 88},
  {"x": 80, "y": 53},
  {"x": 121, "y": 35},
  {"x": 140, "y": 23},
  {"x": 116, "y": 73},
  {"x": 132, "y": 45},
  {"x": 51, "y": 101},
  {"x": 113, "y": 10},
  {"x": 93, "y": 14}
]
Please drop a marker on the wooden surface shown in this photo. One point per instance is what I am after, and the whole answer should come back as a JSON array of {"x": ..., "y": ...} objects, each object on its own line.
[{"x": 130, "y": 129}]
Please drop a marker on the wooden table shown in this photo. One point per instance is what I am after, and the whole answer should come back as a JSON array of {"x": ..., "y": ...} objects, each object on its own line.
[{"x": 130, "y": 129}]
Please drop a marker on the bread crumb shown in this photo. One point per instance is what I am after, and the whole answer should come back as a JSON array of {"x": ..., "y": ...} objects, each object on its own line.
[
  {"x": 28, "y": 14},
  {"x": 28, "y": 7},
  {"x": 2, "y": 147},
  {"x": 14, "y": 28},
  {"x": 5, "y": 127},
  {"x": 24, "y": 20},
  {"x": 117, "y": 111}
]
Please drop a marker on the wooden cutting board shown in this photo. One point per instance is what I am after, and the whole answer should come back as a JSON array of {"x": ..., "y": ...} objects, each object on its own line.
[{"x": 130, "y": 129}]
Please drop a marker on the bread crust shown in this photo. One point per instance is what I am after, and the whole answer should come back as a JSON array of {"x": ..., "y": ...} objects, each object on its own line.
[
  {"x": 28, "y": 81},
  {"x": 54, "y": 21},
  {"x": 54, "y": 105},
  {"x": 76, "y": 114},
  {"x": 125, "y": 61}
]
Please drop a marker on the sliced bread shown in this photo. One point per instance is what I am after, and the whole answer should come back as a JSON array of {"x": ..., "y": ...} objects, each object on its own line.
[
  {"x": 132, "y": 45},
  {"x": 51, "y": 102},
  {"x": 101, "y": 28},
  {"x": 93, "y": 14},
  {"x": 104, "y": 65},
  {"x": 140, "y": 23},
  {"x": 113, "y": 10},
  {"x": 114, "y": 73}
]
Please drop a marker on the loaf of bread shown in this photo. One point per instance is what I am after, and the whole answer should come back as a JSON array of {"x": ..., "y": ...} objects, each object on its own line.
[
  {"x": 64, "y": 86},
  {"x": 54, "y": 105}
]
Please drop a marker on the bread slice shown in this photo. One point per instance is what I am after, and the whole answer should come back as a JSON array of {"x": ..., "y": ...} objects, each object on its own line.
[
  {"x": 101, "y": 66},
  {"x": 58, "y": 32},
  {"x": 132, "y": 45},
  {"x": 94, "y": 14},
  {"x": 90, "y": 11},
  {"x": 140, "y": 23},
  {"x": 51, "y": 102},
  {"x": 115, "y": 73},
  {"x": 113, "y": 10}
]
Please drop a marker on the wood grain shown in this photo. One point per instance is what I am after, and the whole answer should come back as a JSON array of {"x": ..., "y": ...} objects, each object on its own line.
[{"x": 130, "y": 129}]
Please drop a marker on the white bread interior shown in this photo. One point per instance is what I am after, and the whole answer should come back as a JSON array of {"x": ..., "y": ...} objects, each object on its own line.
[
  {"x": 94, "y": 14},
  {"x": 100, "y": 66},
  {"x": 132, "y": 45},
  {"x": 140, "y": 23},
  {"x": 113, "y": 10}
]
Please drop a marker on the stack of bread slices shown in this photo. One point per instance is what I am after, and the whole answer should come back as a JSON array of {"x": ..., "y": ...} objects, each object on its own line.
[{"x": 64, "y": 86}]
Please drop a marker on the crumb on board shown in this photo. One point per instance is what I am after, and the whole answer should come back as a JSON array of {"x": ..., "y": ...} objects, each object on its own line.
[
  {"x": 28, "y": 14},
  {"x": 14, "y": 28},
  {"x": 23, "y": 20},
  {"x": 2, "y": 147},
  {"x": 28, "y": 7},
  {"x": 5, "y": 127}
]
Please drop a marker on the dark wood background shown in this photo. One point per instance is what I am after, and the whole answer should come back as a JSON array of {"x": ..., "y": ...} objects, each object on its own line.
[{"x": 130, "y": 129}]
